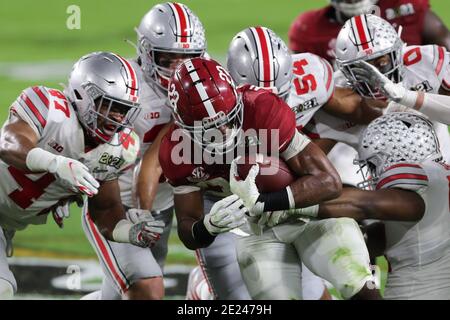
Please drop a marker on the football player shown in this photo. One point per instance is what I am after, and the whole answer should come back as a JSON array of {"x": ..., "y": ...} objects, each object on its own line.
[
  {"x": 56, "y": 146},
  {"x": 409, "y": 189},
  {"x": 316, "y": 31},
  {"x": 212, "y": 119},
  {"x": 167, "y": 35},
  {"x": 417, "y": 68}
]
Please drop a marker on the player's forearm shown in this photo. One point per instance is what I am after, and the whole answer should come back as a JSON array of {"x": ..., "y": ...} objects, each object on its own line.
[
  {"x": 313, "y": 189},
  {"x": 107, "y": 218},
  {"x": 347, "y": 205},
  {"x": 147, "y": 186},
  {"x": 435, "y": 106},
  {"x": 193, "y": 234}
]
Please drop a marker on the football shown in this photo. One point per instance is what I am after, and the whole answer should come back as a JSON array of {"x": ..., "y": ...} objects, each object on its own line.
[{"x": 274, "y": 174}]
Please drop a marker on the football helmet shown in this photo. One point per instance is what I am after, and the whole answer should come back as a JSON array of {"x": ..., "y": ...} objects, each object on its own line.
[
  {"x": 206, "y": 105},
  {"x": 368, "y": 37},
  {"x": 168, "y": 28},
  {"x": 257, "y": 56},
  {"x": 103, "y": 81},
  {"x": 393, "y": 138},
  {"x": 350, "y": 8}
]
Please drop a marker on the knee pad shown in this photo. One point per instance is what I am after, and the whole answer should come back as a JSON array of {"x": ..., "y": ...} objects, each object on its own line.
[{"x": 6, "y": 290}]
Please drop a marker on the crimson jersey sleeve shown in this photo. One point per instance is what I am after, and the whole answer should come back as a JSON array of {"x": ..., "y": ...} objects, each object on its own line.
[
  {"x": 404, "y": 176},
  {"x": 174, "y": 169},
  {"x": 32, "y": 106},
  {"x": 266, "y": 112}
]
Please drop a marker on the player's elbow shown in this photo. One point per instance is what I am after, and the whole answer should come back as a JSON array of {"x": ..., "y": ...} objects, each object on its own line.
[{"x": 333, "y": 185}]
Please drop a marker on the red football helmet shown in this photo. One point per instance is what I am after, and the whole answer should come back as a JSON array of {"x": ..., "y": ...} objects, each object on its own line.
[{"x": 206, "y": 104}]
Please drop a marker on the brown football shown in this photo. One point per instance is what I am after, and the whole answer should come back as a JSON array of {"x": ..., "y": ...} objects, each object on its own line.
[{"x": 274, "y": 174}]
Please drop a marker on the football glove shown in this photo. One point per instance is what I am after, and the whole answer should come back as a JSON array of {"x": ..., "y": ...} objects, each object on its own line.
[
  {"x": 368, "y": 73},
  {"x": 225, "y": 215},
  {"x": 145, "y": 231},
  {"x": 71, "y": 171},
  {"x": 246, "y": 189}
]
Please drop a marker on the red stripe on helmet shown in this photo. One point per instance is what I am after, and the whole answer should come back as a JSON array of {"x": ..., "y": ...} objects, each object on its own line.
[
  {"x": 132, "y": 73},
  {"x": 182, "y": 17},
  {"x": 361, "y": 32},
  {"x": 265, "y": 56}
]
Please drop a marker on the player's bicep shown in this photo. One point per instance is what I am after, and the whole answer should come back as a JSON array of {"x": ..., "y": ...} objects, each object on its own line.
[
  {"x": 310, "y": 160},
  {"x": 386, "y": 204},
  {"x": 395, "y": 204},
  {"x": 17, "y": 138}
]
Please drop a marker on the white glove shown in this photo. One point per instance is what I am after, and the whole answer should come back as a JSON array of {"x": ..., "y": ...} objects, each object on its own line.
[
  {"x": 225, "y": 215},
  {"x": 62, "y": 211},
  {"x": 71, "y": 171},
  {"x": 246, "y": 189},
  {"x": 146, "y": 231},
  {"x": 274, "y": 218},
  {"x": 370, "y": 74}
]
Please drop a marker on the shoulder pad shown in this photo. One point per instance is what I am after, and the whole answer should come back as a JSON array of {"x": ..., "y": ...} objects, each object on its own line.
[
  {"x": 404, "y": 176},
  {"x": 32, "y": 106}
]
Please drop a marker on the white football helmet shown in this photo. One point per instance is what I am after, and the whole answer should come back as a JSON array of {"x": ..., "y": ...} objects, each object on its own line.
[
  {"x": 103, "y": 79},
  {"x": 259, "y": 57},
  {"x": 350, "y": 8},
  {"x": 168, "y": 28},
  {"x": 393, "y": 138},
  {"x": 368, "y": 37}
]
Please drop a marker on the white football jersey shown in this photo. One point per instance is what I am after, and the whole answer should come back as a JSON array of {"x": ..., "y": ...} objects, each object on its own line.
[
  {"x": 426, "y": 68},
  {"x": 154, "y": 115},
  {"x": 27, "y": 198},
  {"x": 311, "y": 88},
  {"x": 419, "y": 243}
]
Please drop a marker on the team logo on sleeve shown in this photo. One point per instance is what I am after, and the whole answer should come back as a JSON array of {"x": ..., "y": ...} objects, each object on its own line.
[
  {"x": 198, "y": 174},
  {"x": 424, "y": 86},
  {"x": 307, "y": 105}
]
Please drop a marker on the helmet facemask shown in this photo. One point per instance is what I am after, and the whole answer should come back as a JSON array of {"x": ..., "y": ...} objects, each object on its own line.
[
  {"x": 393, "y": 71},
  {"x": 104, "y": 109},
  {"x": 158, "y": 73},
  {"x": 219, "y": 134},
  {"x": 369, "y": 170}
]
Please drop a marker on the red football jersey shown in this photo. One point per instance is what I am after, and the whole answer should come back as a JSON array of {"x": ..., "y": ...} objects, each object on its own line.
[
  {"x": 315, "y": 31},
  {"x": 262, "y": 110}
]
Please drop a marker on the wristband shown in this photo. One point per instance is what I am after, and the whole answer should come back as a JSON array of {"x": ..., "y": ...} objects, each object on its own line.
[
  {"x": 121, "y": 232},
  {"x": 40, "y": 160},
  {"x": 276, "y": 201},
  {"x": 201, "y": 235}
]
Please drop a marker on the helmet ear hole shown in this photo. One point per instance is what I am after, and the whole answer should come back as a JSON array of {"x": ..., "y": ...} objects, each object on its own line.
[
  {"x": 408, "y": 124},
  {"x": 78, "y": 95}
]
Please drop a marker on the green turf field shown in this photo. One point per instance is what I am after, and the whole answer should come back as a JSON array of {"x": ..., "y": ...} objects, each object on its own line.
[{"x": 34, "y": 32}]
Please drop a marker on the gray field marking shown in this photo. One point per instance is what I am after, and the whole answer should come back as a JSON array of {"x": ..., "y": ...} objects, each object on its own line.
[
  {"x": 52, "y": 70},
  {"x": 54, "y": 278}
]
